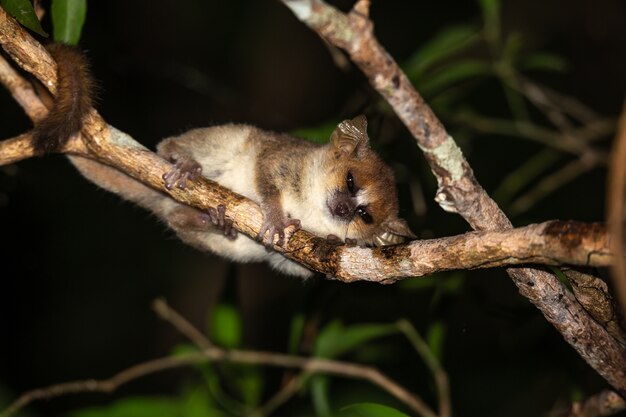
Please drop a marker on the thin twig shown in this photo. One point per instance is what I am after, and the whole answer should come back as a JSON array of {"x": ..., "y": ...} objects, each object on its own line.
[
  {"x": 291, "y": 388},
  {"x": 570, "y": 143},
  {"x": 574, "y": 108},
  {"x": 181, "y": 324},
  {"x": 549, "y": 184},
  {"x": 439, "y": 374},
  {"x": 310, "y": 365}
]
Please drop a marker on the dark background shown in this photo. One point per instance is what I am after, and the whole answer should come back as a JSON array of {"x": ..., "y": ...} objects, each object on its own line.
[{"x": 79, "y": 268}]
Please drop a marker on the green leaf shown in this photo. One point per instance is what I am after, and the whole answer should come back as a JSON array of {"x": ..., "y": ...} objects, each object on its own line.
[
  {"x": 250, "y": 385},
  {"x": 445, "y": 43},
  {"x": 134, "y": 407},
  {"x": 559, "y": 274},
  {"x": 512, "y": 48},
  {"x": 225, "y": 326},
  {"x": 319, "y": 395},
  {"x": 198, "y": 403},
  {"x": 544, "y": 61},
  {"x": 23, "y": 11},
  {"x": 434, "y": 338},
  {"x": 370, "y": 410},
  {"x": 295, "y": 335},
  {"x": 184, "y": 349},
  {"x": 491, "y": 18},
  {"x": 335, "y": 339},
  {"x": 68, "y": 17},
  {"x": 454, "y": 73}
]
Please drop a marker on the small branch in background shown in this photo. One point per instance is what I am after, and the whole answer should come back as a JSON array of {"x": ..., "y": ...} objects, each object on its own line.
[
  {"x": 557, "y": 140},
  {"x": 439, "y": 374},
  {"x": 181, "y": 324},
  {"x": 615, "y": 207},
  {"x": 309, "y": 365},
  {"x": 603, "y": 404},
  {"x": 540, "y": 94},
  {"x": 557, "y": 111},
  {"x": 170, "y": 315},
  {"x": 106, "y": 386},
  {"x": 549, "y": 184},
  {"x": 291, "y": 388}
]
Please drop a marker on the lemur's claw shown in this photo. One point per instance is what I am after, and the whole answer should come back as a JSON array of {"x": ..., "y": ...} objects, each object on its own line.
[
  {"x": 219, "y": 220},
  {"x": 182, "y": 171},
  {"x": 273, "y": 227}
]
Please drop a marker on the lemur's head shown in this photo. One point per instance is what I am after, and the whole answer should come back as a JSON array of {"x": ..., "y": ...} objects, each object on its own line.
[{"x": 362, "y": 190}]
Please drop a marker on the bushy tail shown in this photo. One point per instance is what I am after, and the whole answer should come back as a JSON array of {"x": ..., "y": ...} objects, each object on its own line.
[{"x": 74, "y": 98}]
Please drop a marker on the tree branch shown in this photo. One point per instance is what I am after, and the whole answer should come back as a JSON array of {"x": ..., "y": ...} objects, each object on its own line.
[
  {"x": 459, "y": 191},
  {"x": 533, "y": 244},
  {"x": 310, "y": 365}
]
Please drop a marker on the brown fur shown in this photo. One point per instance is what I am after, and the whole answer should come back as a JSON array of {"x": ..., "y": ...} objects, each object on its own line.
[
  {"x": 74, "y": 98},
  {"x": 296, "y": 183}
]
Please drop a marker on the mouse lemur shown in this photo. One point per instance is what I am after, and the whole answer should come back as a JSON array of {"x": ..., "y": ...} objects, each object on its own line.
[{"x": 341, "y": 190}]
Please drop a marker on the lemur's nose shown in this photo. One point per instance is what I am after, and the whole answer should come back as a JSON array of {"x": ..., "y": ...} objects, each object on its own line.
[{"x": 343, "y": 209}]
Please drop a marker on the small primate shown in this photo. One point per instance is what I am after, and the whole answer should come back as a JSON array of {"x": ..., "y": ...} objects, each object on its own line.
[{"x": 339, "y": 191}]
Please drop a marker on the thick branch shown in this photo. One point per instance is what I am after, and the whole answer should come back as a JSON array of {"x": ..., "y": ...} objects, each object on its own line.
[
  {"x": 548, "y": 243},
  {"x": 534, "y": 244},
  {"x": 458, "y": 189}
]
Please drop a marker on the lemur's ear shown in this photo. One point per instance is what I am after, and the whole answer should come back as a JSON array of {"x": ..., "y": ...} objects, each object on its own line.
[{"x": 350, "y": 136}]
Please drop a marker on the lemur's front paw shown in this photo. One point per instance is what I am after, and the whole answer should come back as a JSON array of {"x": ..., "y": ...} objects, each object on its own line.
[
  {"x": 183, "y": 170},
  {"x": 273, "y": 226}
]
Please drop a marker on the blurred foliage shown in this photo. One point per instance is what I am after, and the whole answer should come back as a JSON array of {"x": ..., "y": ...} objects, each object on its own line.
[
  {"x": 24, "y": 12},
  {"x": 370, "y": 410},
  {"x": 68, "y": 17},
  {"x": 225, "y": 326}
]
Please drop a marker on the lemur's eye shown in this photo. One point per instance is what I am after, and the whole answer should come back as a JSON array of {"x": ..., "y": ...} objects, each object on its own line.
[
  {"x": 362, "y": 212},
  {"x": 350, "y": 183}
]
